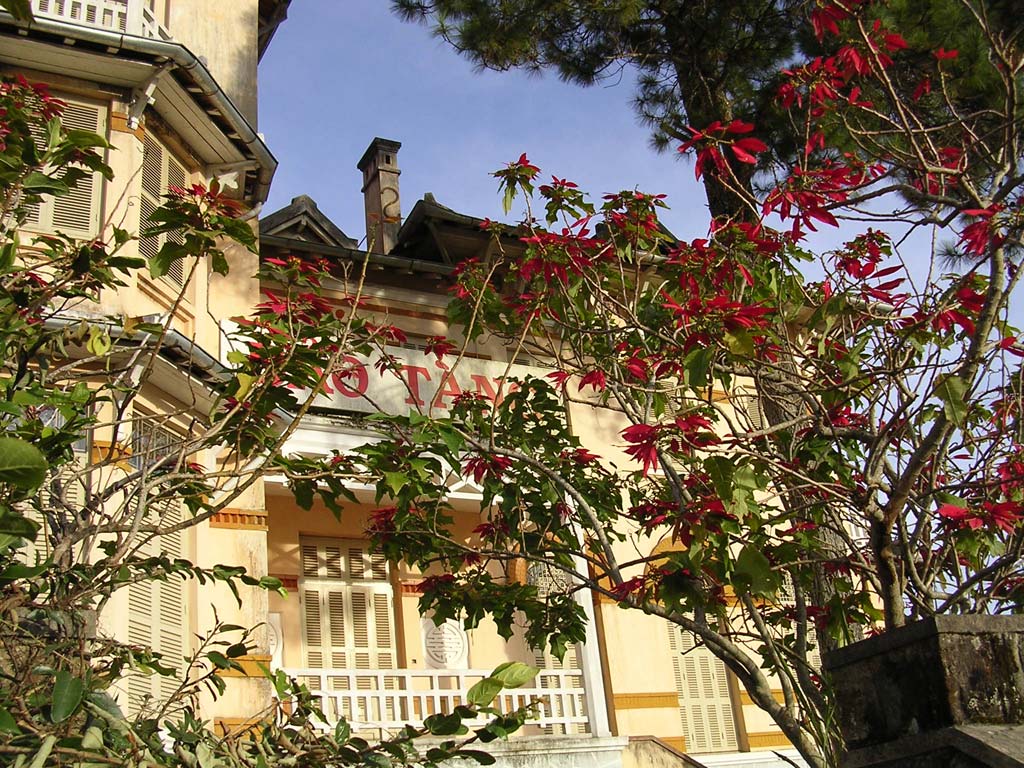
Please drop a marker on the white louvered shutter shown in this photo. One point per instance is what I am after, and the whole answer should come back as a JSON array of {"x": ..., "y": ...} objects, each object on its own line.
[
  {"x": 157, "y": 610},
  {"x": 348, "y": 624},
  {"x": 157, "y": 616},
  {"x": 160, "y": 170},
  {"x": 77, "y": 213},
  {"x": 705, "y": 707},
  {"x": 748, "y": 410},
  {"x": 347, "y": 608}
]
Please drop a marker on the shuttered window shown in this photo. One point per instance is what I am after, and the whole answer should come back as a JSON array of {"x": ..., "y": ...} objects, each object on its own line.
[
  {"x": 61, "y": 496},
  {"x": 347, "y": 612},
  {"x": 348, "y": 625},
  {"x": 748, "y": 408},
  {"x": 705, "y": 707},
  {"x": 160, "y": 170},
  {"x": 157, "y": 610},
  {"x": 77, "y": 213}
]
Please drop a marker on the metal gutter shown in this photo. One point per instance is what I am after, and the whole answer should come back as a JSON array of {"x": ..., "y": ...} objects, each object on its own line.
[
  {"x": 198, "y": 358},
  {"x": 184, "y": 60}
]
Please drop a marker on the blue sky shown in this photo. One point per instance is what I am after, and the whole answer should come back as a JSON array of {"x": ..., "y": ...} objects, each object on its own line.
[{"x": 339, "y": 73}]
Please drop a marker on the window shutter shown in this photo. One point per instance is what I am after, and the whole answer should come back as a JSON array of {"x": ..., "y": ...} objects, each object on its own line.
[
  {"x": 61, "y": 494},
  {"x": 347, "y": 612},
  {"x": 157, "y": 615},
  {"x": 160, "y": 170},
  {"x": 705, "y": 707},
  {"x": 748, "y": 408},
  {"x": 157, "y": 610},
  {"x": 77, "y": 213}
]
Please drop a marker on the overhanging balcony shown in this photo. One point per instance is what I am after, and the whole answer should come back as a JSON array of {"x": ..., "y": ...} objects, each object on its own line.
[
  {"x": 129, "y": 17},
  {"x": 388, "y": 699}
]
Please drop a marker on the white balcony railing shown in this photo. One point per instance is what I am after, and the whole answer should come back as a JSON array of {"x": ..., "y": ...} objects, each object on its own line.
[
  {"x": 131, "y": 17},
  {"x": 388, "y": 699}
]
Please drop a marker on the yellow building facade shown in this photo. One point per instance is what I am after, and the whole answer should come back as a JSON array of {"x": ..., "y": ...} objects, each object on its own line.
[
  {"x": 172, "y": 85},
  {"x": 638, "y": 691}
]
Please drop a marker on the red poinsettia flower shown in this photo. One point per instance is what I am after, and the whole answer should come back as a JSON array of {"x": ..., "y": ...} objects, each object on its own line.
[{"x": 643, "y": 444}]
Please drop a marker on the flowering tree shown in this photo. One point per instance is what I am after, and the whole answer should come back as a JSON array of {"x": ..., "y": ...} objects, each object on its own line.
[
  {"x": 77, "y": 529},
  {"x": 814, "y": 457}
]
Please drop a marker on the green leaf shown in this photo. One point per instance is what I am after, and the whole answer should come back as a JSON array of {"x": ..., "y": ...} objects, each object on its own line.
[
  {"x": 514, "y": 674},
  {"x": 67, "y": 695},
  {"x": 739, "y": 343},
  {"x": 245, "y": 382},
  {"x": 40, "y": 184},
  {"x": 754, "y": 573},
  {"x": 21, "y": 464},
  {"x": 99, "y": 342},
  {"x": 169, "y": 253},
  {"x": 483, "y": 692},
  {"x": 219, "y": 263},
  {"x": 396, "y": 481},
  {"x": 7, "y": 722},
  {"x": 697, "y": 364},
  {"x": 453, "y": 441},
  {"x": 22, "y": 571},
  {"x": 17, "y": 527},
  {"x": 483, "y": 758},
  {"x": 951, "y": 391},
  {"x": 220, "y": 661},
  {"x": 720, "y": 469},
  {"x": 444, "y": 725}
]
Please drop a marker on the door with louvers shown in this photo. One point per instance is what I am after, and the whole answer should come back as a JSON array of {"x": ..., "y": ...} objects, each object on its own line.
[
  {"x": 348, "y": 627},
  {"x": 705, "y": 706}
]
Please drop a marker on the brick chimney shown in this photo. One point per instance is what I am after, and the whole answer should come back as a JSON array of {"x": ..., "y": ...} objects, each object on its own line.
[{"x": 379, "y": 166}]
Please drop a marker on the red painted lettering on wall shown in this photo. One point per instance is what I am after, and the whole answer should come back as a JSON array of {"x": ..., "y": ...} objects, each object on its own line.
[
  {"x": 484, "y": 387},
  {"x": 413, "y": 372},
  {"x": 449, "y": 387},
  {"x": 351, "y": 381}
]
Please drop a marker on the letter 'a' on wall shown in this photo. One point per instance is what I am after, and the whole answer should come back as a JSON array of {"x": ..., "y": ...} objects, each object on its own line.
[{"x": 705, "y": 707}]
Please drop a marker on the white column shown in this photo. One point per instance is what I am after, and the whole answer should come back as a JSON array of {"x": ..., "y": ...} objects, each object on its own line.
[
  {"x": 133, "y": 25},
  {"x": 590, "y": 663}
]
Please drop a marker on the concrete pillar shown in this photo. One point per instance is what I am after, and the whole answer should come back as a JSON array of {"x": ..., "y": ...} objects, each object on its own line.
[{"x": 944, "y": 692}]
